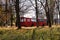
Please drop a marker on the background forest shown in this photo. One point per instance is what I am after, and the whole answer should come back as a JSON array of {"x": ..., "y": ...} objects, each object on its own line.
[{"x": 12, "y": 10}]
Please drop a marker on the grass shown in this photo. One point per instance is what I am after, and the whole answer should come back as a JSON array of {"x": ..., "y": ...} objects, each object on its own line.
[{"x": 45, "y": 33}]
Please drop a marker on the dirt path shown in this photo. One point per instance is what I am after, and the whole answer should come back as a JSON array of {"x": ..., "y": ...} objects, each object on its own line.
[{"x": 13, "y": 27}]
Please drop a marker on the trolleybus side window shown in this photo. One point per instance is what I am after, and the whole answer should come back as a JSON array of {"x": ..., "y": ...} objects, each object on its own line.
[
  {"x": 41, "y": 19},
  {"x": 28, "y": 20},
  {"x": 21, "y": 20},
  {"x": 33, "y": 19},
  {"x": 24, "y": 19}
]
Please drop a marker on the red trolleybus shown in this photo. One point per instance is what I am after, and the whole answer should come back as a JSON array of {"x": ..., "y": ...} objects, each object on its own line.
[
  {"x": 32, "y": 22},
  {"x": 25, "y": 21}
]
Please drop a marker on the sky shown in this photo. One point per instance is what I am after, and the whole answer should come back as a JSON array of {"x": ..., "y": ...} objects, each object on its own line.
[
  {"x": 3, "y": 1},
  {"x": 31, "y": 14}
]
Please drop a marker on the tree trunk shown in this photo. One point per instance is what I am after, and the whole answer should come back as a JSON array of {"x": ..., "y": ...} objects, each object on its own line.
[
  {"x": 10, "y": 10},
  {"x": 6, "y": 12},
  {"x": 48, "y": 14},
  {"x": 17, "y": 14},
  {"x": 11, "y": 19},
  {"x": 52, "y": 5},
  {"x": 36, "y": 8}
]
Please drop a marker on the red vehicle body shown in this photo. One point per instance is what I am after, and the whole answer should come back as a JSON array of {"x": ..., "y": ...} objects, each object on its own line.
[{"x": 30, "y": 22}]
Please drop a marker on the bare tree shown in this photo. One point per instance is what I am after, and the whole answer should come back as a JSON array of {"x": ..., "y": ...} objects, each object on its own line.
[
  {"x": 21, "y": 8},
  {"x": 10, "y": 10},
  {"x": 46, "y": 7},
  {"x": 6, "y": 10},
  {"x": 58, "y": 7},
  {"x": 17, "y": 14},
  {"x": 48, "y": 14},
  {"x": 52, "y": 6},
  {"x": 36, "y": 10},
  {"x": 49, "y": 7}
]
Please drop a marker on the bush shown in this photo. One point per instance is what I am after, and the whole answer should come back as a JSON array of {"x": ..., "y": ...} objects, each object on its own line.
[{"x": 23, "y": 34}]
